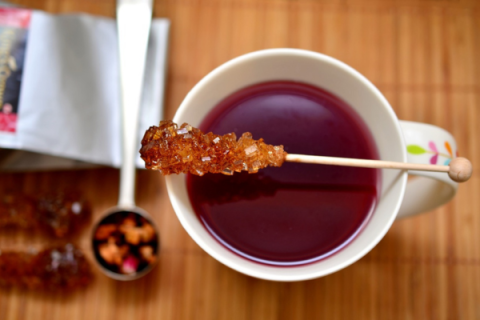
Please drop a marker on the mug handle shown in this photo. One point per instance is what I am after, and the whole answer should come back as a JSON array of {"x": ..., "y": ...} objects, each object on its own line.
[{"x": 425, "y": 191}]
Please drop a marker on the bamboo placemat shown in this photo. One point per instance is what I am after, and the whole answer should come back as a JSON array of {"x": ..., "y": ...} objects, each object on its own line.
[{"x": 424, "y": 57}]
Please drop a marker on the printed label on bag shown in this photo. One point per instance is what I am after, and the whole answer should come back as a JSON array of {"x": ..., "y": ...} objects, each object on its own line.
[{"x": 14, "y": 24}]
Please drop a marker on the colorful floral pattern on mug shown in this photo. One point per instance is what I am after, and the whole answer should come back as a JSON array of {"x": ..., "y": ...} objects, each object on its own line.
[{"x": 432, "y": 149}]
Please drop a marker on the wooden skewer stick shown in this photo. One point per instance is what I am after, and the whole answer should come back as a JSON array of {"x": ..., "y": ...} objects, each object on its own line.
[{"x": 459, "y": 169}]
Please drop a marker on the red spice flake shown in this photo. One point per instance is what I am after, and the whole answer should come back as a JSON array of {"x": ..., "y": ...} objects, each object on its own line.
[
  {"x": 104, "y": 231},
  {"x": 130, "y": 265},
  {"x": 147, "y": 253}
]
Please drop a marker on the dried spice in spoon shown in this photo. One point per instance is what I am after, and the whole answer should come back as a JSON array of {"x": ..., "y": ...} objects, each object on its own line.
[{"x": 125, "y": 243}]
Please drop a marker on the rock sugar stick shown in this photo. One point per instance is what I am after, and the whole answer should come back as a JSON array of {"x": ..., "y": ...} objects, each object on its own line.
[{"x": 171, "y": 149}]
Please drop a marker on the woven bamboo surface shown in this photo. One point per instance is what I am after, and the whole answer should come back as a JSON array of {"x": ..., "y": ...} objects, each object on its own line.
[{"x": 424, "y": 57}]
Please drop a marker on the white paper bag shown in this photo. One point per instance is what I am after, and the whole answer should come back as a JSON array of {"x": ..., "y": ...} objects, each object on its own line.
[{"x": 69, "y": 104}]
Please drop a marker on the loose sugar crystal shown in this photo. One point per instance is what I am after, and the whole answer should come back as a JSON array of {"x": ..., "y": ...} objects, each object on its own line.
[
  {"x": 170, "y": 149},
  {"x": 59, "y": 214},
  {"x": 61, "y": 267}
]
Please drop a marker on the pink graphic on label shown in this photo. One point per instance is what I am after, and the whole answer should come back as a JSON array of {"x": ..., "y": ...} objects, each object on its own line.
[{"x": 14, "y": 24}]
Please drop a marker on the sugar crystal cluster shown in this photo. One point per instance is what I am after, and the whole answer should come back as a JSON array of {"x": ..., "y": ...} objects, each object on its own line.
[
  {"x": 60, "y": 214},
  {"x": 57, "y": 268},
  {"x": 172, "y": 149}
]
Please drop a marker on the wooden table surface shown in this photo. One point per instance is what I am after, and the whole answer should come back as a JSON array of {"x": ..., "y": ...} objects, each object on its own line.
[{"x": 423, "y": 56}]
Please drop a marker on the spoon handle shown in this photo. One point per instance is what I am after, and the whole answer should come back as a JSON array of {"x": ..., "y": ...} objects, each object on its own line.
[{"x": 133, "y": 23}]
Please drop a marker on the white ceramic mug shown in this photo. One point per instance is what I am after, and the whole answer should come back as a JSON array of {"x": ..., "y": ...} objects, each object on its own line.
[{"x": 399, "y": 198}]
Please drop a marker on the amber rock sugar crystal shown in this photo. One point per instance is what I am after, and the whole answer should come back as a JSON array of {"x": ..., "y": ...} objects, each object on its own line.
[
  {"x": 57, "y": 268},
  {"x": 172, "y": 149},
  {"x": 59, "y": 214}
]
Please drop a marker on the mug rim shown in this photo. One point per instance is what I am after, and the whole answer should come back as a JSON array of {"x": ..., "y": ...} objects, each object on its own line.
[{"x": 179, "y": 209}]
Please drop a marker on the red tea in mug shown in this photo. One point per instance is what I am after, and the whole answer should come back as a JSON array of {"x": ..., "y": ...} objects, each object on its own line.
[{"x": 299, "y": 213}]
